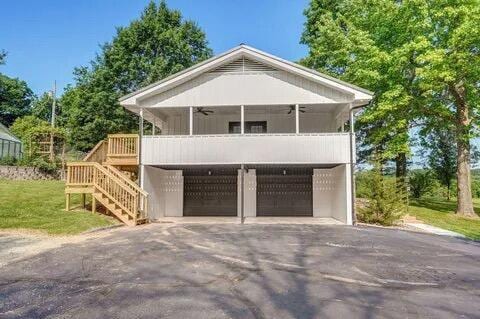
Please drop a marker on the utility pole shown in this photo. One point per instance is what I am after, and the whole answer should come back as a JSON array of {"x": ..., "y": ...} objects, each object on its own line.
[
  {"x": 54, "y": 96},
  {"x": 54, "y": 103}
]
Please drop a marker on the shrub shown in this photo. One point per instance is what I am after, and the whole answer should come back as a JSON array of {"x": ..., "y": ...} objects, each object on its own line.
[
  {"x": 8, "y": 160},
  {"x": 386, "y": 203}
]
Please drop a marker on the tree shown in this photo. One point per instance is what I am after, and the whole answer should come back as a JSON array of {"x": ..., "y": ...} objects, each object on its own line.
[
  {"x": 3, "y": 54},
  {"x": 421, "y": 182},
  {"x": 369, "y": 43},
  {"x": 15, "y": 99},
  {"x": 156, "y": 45},
  {"x": 449, "y": 73},
  {"x": 442, "y": 156},
  {"x": 42, "y": 107},
  {"x": 386, "y": 204},
  {"x": 422, "y": 59}
]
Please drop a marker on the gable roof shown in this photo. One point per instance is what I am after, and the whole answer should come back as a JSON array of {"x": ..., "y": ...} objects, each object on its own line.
[
  {"x": 5, "y": 134},
  {"x": 361, "y": 95}
]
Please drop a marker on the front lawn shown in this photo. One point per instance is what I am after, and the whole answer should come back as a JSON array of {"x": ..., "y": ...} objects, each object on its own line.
[
  {"x": 441, "y": 213},
  {"x": 40, "y": 205}
]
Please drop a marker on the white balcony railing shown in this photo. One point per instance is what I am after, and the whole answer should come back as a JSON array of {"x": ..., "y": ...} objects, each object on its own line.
[{"x": 308, "y": 148}]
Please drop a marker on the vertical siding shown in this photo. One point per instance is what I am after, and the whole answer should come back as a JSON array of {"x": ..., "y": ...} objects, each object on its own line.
[{"x": 330, "y": 148}]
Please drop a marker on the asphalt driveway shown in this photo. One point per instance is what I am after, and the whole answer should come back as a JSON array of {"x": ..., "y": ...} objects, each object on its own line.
[{"x": 247, "y": 271}]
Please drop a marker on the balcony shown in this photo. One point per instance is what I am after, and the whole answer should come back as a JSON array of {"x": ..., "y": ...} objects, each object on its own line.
[{"x": 229, "y": 149}]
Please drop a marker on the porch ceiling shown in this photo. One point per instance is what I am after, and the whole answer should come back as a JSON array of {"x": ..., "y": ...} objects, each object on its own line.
[{"x": 163, "y": 113}]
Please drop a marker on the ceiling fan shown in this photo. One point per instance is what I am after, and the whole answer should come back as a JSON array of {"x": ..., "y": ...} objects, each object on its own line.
[
  {"x": 204, "y": 112},
  {"x": 300, "y": 109}
]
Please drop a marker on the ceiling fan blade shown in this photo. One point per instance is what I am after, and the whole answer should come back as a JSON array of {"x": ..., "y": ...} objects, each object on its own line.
[
  {"x": 303, "y": 111},
  {"x": 290, "y": 112}
]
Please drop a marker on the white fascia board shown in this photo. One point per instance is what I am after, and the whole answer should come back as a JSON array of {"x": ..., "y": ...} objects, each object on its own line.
[{"x": 358, "y": 94}]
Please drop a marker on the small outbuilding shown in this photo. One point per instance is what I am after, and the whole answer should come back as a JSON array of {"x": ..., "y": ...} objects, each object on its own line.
[{"x": 10, "y": 145}]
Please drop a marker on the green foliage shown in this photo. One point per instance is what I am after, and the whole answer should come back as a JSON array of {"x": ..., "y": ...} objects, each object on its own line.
[
  {"x": 15, "y": 99},
  {"x": 421, "y": 183},
  {"x": 368, "y": 44},
  {"x": 8, "y": 160},
  {"x": 442, "y": 156},
  {"x": 3, "y": 54},
  {"x": 476, "y": 187},
  {"x": 42, "y": 108},
  {"x": 156, "y": 45},
  {"x": 29, "y": 129},
  {"x": 385, "y": 204},
  {"x": 24, "y": 127}
]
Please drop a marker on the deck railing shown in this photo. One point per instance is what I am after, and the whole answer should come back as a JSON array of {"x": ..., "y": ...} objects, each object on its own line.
[
  {"x": 122, "y": 145},
  {"x": 117, "y": 149},
  {"x": 112, "y": 184},
  {"x": 98, "y": 154}
]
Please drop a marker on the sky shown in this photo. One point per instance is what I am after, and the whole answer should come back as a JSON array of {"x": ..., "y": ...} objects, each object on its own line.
[{"x": 45, "y": 40}]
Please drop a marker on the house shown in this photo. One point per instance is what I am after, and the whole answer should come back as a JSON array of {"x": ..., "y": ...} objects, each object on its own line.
[
  {"x": 243, "y": 134},
  {"x": 10, "y": 145}
]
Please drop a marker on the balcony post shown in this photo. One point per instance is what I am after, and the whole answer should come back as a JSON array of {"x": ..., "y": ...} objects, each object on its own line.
[
  {"x": 140, "y": 136},
  {"x": 190, "y": 126},
  {"x": 242, "y": 119},
  {"x": 297, "y": 120}
]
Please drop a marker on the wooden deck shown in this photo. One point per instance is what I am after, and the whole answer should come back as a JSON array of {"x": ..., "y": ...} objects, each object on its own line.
[{"x": 105, "y": 173}]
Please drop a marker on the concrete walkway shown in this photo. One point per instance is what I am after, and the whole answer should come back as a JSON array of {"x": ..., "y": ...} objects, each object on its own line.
[{"x": 434, "y": 230}]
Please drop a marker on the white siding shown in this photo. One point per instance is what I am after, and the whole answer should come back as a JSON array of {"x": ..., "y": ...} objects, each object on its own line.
[
  {"x": 332, "y": 148},
  {"x": 165, "y": 189},
  {"x": 332, "y": 193},
  {"x": 255, "y": 88}
]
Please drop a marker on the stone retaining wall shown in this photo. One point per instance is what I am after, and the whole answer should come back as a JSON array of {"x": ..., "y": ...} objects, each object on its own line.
[{"x": 26, "y": 173}]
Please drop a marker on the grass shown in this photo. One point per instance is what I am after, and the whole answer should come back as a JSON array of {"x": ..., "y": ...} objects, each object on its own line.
[
  {"x": 40, "y": 206},
  {"x": 441, "y": 213}
]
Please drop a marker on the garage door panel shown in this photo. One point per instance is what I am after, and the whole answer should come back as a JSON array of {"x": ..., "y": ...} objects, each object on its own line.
[
  {"x": 210, "y": 196},
  {"x": 284, "y": 195}
]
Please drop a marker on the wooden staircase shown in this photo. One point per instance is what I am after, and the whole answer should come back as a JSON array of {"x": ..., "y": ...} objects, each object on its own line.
[{"x": 105, "y": 174}]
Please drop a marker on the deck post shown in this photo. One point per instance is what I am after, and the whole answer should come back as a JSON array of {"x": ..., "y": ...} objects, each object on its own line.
[
  {"x": 94, "y": 204},
  {"x": 242, "y": 119},
  {"x": 83, "y": 200},
  {"x": 297, "y": 120},
  {"x": 67, "y": 202}
]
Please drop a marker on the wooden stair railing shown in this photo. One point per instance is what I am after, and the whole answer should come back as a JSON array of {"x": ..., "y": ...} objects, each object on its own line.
[
  {"x": 98, "y": 153},
  {"x": 111, "y": 188}
]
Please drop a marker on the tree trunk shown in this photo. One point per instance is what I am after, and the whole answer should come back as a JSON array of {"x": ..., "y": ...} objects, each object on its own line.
[
  {"x": 401, "y": 171},
  {"x": 401, "y": 166},
  {"x": 464, "y": 187}
]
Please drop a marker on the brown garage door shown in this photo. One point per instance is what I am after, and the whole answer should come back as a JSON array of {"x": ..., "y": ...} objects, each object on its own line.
[
  {"x": 284, "y": 195},
  {"x": 210, "y": 195}
]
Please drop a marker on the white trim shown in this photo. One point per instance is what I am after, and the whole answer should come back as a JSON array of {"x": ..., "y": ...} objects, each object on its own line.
[{"x": 358, "y": 94}]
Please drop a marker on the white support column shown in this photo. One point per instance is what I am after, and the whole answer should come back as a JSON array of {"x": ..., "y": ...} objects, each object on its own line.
[
  {"x": 153, "y": 127},
  {"x": 297, "y": 120},
  {"x": 242, "y": 119},
  {"x": 191, "y": 120},
  {"x": 140, "y": 137}
]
